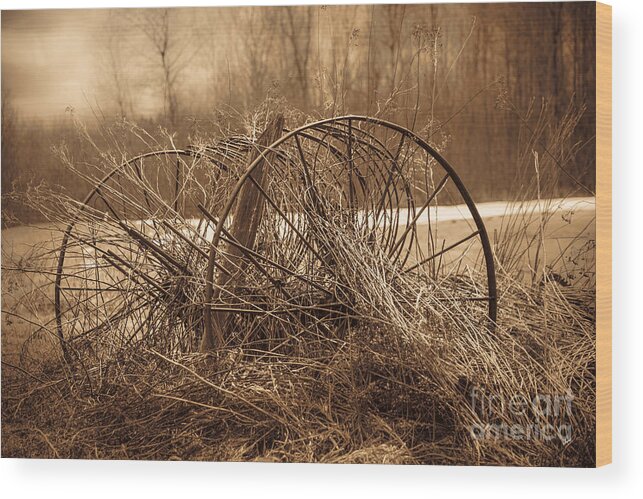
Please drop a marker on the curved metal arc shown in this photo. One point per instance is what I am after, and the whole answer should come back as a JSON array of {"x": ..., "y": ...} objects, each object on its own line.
[
  {"x": 81, "y": 209},
  {"x": 484, "y": 238}
]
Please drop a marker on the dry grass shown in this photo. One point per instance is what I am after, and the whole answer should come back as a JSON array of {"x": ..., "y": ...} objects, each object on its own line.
[
  {"x": 383, "y": 394},
  {"x": 373, "y": 398},
  {"x": 402, "y": 381}
]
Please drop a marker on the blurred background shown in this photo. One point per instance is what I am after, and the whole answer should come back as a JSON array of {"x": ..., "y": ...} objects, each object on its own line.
[{"x": 486, "y": 84}]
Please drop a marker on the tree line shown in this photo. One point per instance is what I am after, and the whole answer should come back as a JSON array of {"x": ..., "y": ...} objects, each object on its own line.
[{"x": 477, "y": 81}]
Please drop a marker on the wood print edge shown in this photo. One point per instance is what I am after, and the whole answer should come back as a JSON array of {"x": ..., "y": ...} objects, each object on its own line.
[{"x": 603, "y": 234}]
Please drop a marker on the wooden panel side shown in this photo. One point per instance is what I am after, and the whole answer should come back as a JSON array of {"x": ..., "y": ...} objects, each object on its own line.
[{"x": 603, "y": 234}]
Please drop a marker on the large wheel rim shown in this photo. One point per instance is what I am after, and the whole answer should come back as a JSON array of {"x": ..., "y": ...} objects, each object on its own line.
[
  {"x": 157, "y": 216},
  {"x": 362, "y": 140}
]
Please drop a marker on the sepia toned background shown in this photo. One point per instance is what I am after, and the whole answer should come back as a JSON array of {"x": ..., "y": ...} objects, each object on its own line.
[
  {"x": 473, "y": 77},
  {"x": 126, "y": 334}
]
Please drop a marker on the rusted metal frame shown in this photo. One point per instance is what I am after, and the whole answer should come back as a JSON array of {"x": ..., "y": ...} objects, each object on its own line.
[
  {"x": 111, "y": 255},
  {"x": 441, "y": 252},
  {"x": 194, "y": 248},
  {"x": 108, "y": 302},
  {"x": 410, "y": 227},
  {"x": 290, "y": 307},
  {"x": 392, "y": 234},
  {"x": 484, "y": 238},
  {"x": 307, "y": 177},
  {"x": 417, "y": 216},
  {"x": 316, "y": 206},
  {"x": 209, "y": 292},
  {"x": 192, "y": 244},
  {"x": 162, "y": 256},
  {"x": 462, "y": 298},
  {"x": 85, "y": 288},
  {"x": 249, "y": 208},
  {"x": 141, "y": 176},
  {"x": 227, "y": 149},
  {"x": 376, "y": 147},
  {"x": 184, "y": 238},
  {"x": 123, "y": 312},
  {"x": 177, "y": 181},
  {"x": 379, "y": 148},
  {"x": 224, "y": 149},
  {"x": 285, "y": 218},
  {"x": 393, "y": 196},
  {"x": 140, "y": 274},
  {"x": 96, "y": 271},
  {"x": 432, "y": 236},
  {"x": 227, "y": 237},
  {"x": 375, "y": 160},
  {"x": 376, "y": 121},
  {"x": 147, "y": 321},
  {"x": 66, "y": 235},
  {"x": 310, "y": 187},
  {"x": 351, "y": 168},
  {"x": 247, "y": 253},
  {"x": 251, "y": 255},
  {"x": 104, "y": 255},
  {"x": 387, "y": 185},
  {"x": 340, "y": 135},
  {"x": 383, "y": 170},
  {"x": 308, "y": 183},
  {"x": 369, "y": 140}
]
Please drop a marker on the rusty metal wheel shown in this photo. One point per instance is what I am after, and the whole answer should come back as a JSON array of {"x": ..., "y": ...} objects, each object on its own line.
[
  {"x": 133, "y": 256},
  {"x": 337, "y": 190}
]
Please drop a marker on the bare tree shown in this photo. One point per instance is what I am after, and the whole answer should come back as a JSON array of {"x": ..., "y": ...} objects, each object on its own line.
[
  {"x": 394, "y": 21},
  {"x": 296, "y": 26},
  {"x": 9, "y": 168},
  {"x": 256, "y": 36},
  {"x": 113, "y": 66},
  {"x": 172, "y": 52}
]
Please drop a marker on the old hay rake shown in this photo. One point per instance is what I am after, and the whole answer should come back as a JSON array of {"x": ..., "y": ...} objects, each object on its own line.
[{"x": 271, "y": 243}]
